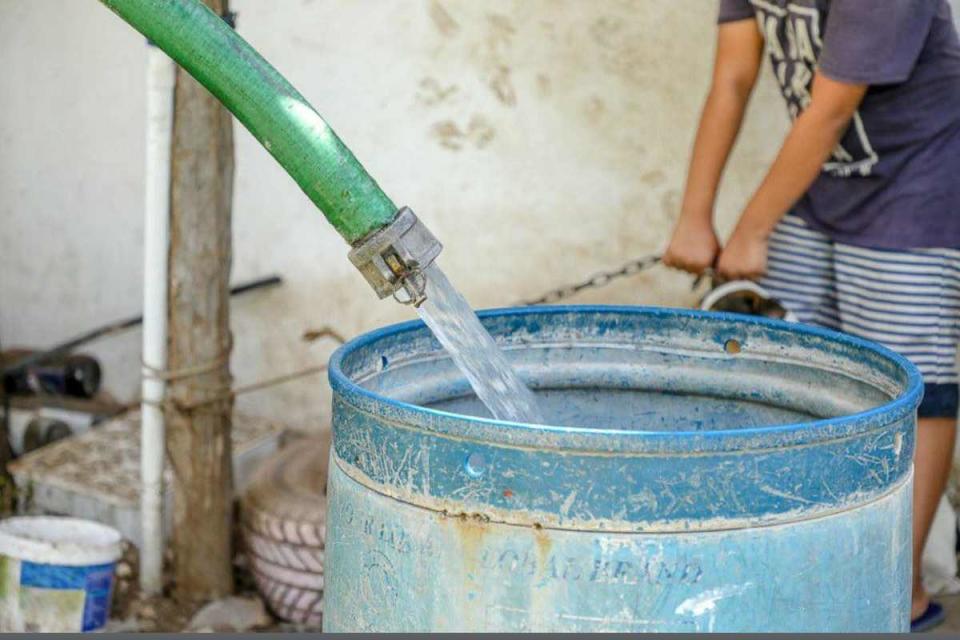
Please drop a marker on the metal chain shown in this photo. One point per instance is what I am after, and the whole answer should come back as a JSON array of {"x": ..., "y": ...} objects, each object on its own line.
[{"x": 595, "y": 281}]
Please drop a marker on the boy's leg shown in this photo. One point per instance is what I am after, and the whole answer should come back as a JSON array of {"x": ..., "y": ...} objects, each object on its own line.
[
  {"x": 934, "y": 456},
  {"x": 910, "y": 301},
  {"x": 800, "y": 273}
]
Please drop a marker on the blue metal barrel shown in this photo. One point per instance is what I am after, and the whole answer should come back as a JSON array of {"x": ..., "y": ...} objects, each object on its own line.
[{"x": 699, "y": 472}]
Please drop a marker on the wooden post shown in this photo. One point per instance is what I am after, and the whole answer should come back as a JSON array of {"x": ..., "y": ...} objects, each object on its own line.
[{"x": 198, "y": 439}]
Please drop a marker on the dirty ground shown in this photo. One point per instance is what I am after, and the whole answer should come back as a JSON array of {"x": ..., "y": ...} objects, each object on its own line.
[{"x": 243, "y": 612}]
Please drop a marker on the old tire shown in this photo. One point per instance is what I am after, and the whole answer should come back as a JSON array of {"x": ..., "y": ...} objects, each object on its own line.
[{"x": 283, "y": 515}]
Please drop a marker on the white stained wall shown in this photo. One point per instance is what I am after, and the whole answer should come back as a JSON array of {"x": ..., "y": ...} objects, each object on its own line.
[{"x": 541, "y": 140}]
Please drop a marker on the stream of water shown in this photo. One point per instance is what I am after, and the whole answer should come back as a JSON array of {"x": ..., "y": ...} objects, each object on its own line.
[{"x": 472, "y": 348}]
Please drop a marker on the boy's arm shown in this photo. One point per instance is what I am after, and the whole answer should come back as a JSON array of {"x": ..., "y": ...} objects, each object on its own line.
[
  {"x": 694, "y": 246},
  {"x": 814, "y": 135}
]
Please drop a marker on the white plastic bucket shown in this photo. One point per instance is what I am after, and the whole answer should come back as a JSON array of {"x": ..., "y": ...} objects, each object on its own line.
[{"x": 56, "y": 574}]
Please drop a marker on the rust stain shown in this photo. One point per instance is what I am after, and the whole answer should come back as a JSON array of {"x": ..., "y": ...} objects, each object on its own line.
[
  {"x": 502, "y": 86},
  {"x": 478, "y": 132},
  {"x": 625, "y": 50},
  {"x": 448, "y": 134},
  {"x": 653, "y": 178},
  {"x": 442, "y": 20},
  {"x": 544, "y": 545},
  {"x": 493, "y": 58},
  {"x": 500, "y": 26},
  {"x": 470, "y": 530},
  {"x": 432, "y": 93}
]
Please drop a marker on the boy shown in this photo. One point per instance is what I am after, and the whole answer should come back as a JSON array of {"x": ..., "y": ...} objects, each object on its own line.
[{"x": 857, "y": 223}]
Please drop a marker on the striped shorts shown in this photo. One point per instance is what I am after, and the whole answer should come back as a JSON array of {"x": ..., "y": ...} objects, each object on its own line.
[{"x": 907, "y": 300}]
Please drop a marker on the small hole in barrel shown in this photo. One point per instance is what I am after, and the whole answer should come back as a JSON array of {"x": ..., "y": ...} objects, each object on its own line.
[
  {"x": 476, "y": 464},
  {"x": 732, "y": 346}
]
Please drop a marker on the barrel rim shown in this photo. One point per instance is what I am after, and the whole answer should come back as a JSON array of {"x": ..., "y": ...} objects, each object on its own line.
[
  {"x": 79, "y": 542},
  {"x": 509, "y": 433}
]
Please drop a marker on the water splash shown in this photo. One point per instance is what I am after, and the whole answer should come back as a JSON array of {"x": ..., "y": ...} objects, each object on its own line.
[{"x": 473, "y": 350}]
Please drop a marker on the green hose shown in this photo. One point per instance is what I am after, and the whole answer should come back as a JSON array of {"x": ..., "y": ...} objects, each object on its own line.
[{"x": 274, "y": 112}]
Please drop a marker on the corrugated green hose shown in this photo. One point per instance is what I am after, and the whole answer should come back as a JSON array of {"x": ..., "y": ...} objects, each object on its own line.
[{"x": 274, "y": 112}]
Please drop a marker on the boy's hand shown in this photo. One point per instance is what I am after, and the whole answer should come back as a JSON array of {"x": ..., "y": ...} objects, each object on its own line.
[
  {"x": 744, "y": 257},
  {"x": 694, "y": 246}
]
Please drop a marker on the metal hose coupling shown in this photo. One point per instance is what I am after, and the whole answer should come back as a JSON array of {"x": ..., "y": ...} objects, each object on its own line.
[{"x": 393, "y": 258}]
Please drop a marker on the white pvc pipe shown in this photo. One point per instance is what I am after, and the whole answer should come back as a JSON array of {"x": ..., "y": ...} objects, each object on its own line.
[{"x": 161, "y": 76}]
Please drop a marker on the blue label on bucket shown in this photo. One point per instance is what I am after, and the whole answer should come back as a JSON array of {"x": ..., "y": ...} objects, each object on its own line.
[{"x": 95, "y": 581}]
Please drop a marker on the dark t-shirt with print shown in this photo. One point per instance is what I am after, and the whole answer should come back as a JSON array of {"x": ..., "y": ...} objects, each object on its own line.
[{"x": 894, "y": 180}]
